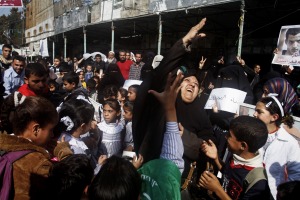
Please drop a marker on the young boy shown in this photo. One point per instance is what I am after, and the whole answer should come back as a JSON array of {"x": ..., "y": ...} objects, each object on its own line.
[
  {"x": 246, "y": 136},
  {"x": 91, "y": 88},
  {"x": 89, "y": 73}
]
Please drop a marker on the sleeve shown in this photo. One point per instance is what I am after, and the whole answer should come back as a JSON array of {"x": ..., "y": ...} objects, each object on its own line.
[
  {"x": 172, "y": 147},
  {"x": 62, "y": 150},
  {"x": 128, "y": 140},
  {"x": 293, "y": 162},
  {"x": 7, "y": 83}
]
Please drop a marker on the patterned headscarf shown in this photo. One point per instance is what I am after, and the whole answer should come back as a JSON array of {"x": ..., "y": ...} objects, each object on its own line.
[{"x": 285, "y": 91}]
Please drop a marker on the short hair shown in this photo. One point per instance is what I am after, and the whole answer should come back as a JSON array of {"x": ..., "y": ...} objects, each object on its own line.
[
  {"x": 6, "y": 46},
  {"x": 57, "y": 57},
  {"x": 98, "y": 55},
  {"x": 292, "y": 31},
  {"x": 123, "y": 92},
  {"x": 122, "y": 50},
  {"x": 273, "y": 108},
  {"x": 78, "y": 110},
  {"x": 19, "y": 58},
  {"x": 128, "y": 105},
  {"x": 36, "y": 69},
  {"x": 250, "y": 130},
  {"x": 64, "y": 67},
  {"x": 117, "y": 180},
  {"x": 70, "y": 176},
  {"x": 71, "y": 77},
  {"x": 110, "y": 91},
  {"x": 36, "y": 109},
  {"x": 14, "y": 53},
  {"x": 135, "y": 87},
  {"x": 288, "y": 191},
  {"x": 91, "y": 83}
]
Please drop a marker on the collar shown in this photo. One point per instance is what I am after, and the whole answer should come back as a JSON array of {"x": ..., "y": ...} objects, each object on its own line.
[
  {"x": 15, "y": 74},
  {"x": 282, "y": 134},
  {"x": 249, "y": 164}
]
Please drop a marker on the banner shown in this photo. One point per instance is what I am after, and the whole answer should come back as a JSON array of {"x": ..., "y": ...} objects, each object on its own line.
[
  {"x": 226, "y": 99},
  {"x": 288, "y": 46},
  {"x": 10, "y": 3}
]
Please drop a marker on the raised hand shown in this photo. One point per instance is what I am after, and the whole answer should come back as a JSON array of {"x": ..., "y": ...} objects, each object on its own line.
[
  {"x": 137, "y": 163},
  {"x": 193, "y": 33},
  {"x": 202, "y": 62},
  {"x": 240, "y": 60},
  {"x": 210, "y": 149}
]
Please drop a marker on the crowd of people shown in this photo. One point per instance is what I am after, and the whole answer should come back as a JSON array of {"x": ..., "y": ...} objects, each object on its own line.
[{"x": 71, "y": 130}]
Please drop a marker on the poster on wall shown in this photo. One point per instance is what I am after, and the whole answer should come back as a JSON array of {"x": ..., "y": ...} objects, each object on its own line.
[
  {"x": 10, "y": 3},
  {"x": 288, "y": 46}
]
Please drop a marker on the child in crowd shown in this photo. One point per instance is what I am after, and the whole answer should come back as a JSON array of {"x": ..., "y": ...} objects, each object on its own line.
[
  {"x": 70, "y": 177},
  {"x": 127, "y": 114},
  {"x": 112, "y": 128},
  {"x": 246, "y": 136},
  {"x": 132, "y": 92},
  {"x": 98, "y": 80},
  {"x": 75, "y": 119},
  {"x": 110, "y": 92},
  {"x": 157, "y": 179},
  {"x": 89, "y": 72},
  {"x": 122, "y": 96},
  {"x": 33, "y": 121},
  {"x": 91, "y": 88},
  {"x": 281, "y": 153},
  {"x": 82, "y": 83}
]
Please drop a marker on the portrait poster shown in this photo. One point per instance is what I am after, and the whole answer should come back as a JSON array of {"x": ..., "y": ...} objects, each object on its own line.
[{"x": 288, "y": 46}]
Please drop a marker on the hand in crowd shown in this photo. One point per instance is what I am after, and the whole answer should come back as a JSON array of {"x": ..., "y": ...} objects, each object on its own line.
[
  {"x": 181, "y": 129},
  {"x": 102, "y": 159},
  {"x": 209, "y": 181},
  {"x": 193, "y": 33},
  {"x": 210, "y": 149},
  {"x": 137, "y": 162},
  {"x": 241, "y": 61},
  {"x": 202, "y": 62},
  {"x": 276, "y": 51},
  {"x": 221, "y": 61},
  {"x": 211, "y": 86}
]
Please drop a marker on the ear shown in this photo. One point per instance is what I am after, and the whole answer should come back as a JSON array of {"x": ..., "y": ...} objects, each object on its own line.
[
  {"x": 73, "y": 85},
  {"x": 35, "y": 129},
  {"x": 244, "y": 146},
  {"x": 274, "y": 117},
  {"x": 26, "y": 80}
]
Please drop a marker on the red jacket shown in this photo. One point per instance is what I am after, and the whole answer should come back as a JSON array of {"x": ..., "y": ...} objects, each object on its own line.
[{"x": 124, "y": 68}]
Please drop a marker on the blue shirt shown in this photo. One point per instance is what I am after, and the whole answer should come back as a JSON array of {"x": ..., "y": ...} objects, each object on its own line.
[{"x": 12, "y": 80}]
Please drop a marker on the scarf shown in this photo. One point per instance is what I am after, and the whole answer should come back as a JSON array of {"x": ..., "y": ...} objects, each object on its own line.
[
  {"x": 4, "y": 60},
  {"x": 285, "y": 91}
]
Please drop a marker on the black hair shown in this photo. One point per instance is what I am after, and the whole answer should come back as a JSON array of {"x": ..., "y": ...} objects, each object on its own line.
[
  {"x": 71, "y": 77},
  {"x": 98, "y": 55},
  {"x": 36, "y": 69},
  {"x": 64, "y": 67},
  {"x": 70, "y": 176},
  {"x": 250, "y": 130},
  {"x": 135, "y": 87},
  {"x": 78, "y": 110},
  {"x": 19, "y": 58},
  {"x": 57, "y": 57},
  {"x": 273, "y": 108},
  {"x": 128, "y": 105},
  {"x": 123, "y": 92},
  {"x": 110, "y": 91},
  {"x": 288, "y": 191},
  {"x": 117, "y": 180},
  {"x": 6, "y": 46},
  {"x": 113, "y": 103},
  {"x": 91, "y": 83},
  {"x": 292, "y": 31},
  {"x": 14, "y": 53},
  {"x": 36, "y": 109}
]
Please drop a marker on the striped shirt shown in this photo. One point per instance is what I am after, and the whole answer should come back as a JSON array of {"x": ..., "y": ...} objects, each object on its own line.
[{"x": 135, "y": 71}]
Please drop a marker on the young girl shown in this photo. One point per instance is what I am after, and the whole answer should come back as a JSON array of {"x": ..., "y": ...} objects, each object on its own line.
[
  {"x": 281, "y": 153},
  {"x": 127, "y": 114},
  {"x": 33, "y": 122},
  {"x": 75, "y": 120},
  {"x": 132, "y": 92},
  {"x": 122, "y": 96},
  {"x": 112, "y": 128}
]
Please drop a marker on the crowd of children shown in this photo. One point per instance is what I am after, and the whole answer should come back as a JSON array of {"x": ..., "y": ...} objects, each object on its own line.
[{"x": 71, "y": 125}]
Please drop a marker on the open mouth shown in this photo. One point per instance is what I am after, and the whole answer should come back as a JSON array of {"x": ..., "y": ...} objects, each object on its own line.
[{"x": 190, "y": 90}]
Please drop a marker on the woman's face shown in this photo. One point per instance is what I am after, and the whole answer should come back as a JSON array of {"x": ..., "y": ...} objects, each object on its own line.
[
  {"x": 263, "y": 114},
  {"x": 189, "y": 89}
]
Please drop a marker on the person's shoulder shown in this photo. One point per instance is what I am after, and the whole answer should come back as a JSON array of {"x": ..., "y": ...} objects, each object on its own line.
[
  {"x": 260, "y": 190},
  {"x": 285, "y": 136}
]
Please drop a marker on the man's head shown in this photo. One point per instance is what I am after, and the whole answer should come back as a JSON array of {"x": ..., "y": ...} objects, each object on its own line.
[
  {"x": 256, "y": 69},
  {"x": 56, "y": 61},
  {"x": 138, "y": 58},
  {"x": 18, "y": 64},
  {"x": 246, "y": 134},
  {"x": 292, "y": 41},
  {"x": 70, "y": 80},
  {"x": 111, "y": 55},
  {"x": 122, "y": 55},
  {"x": 6, "y": 50},
  {"x": 98, "y": 58},
  {"x": 127, "y": 55},
  {"x": 36, "y": 77}
]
